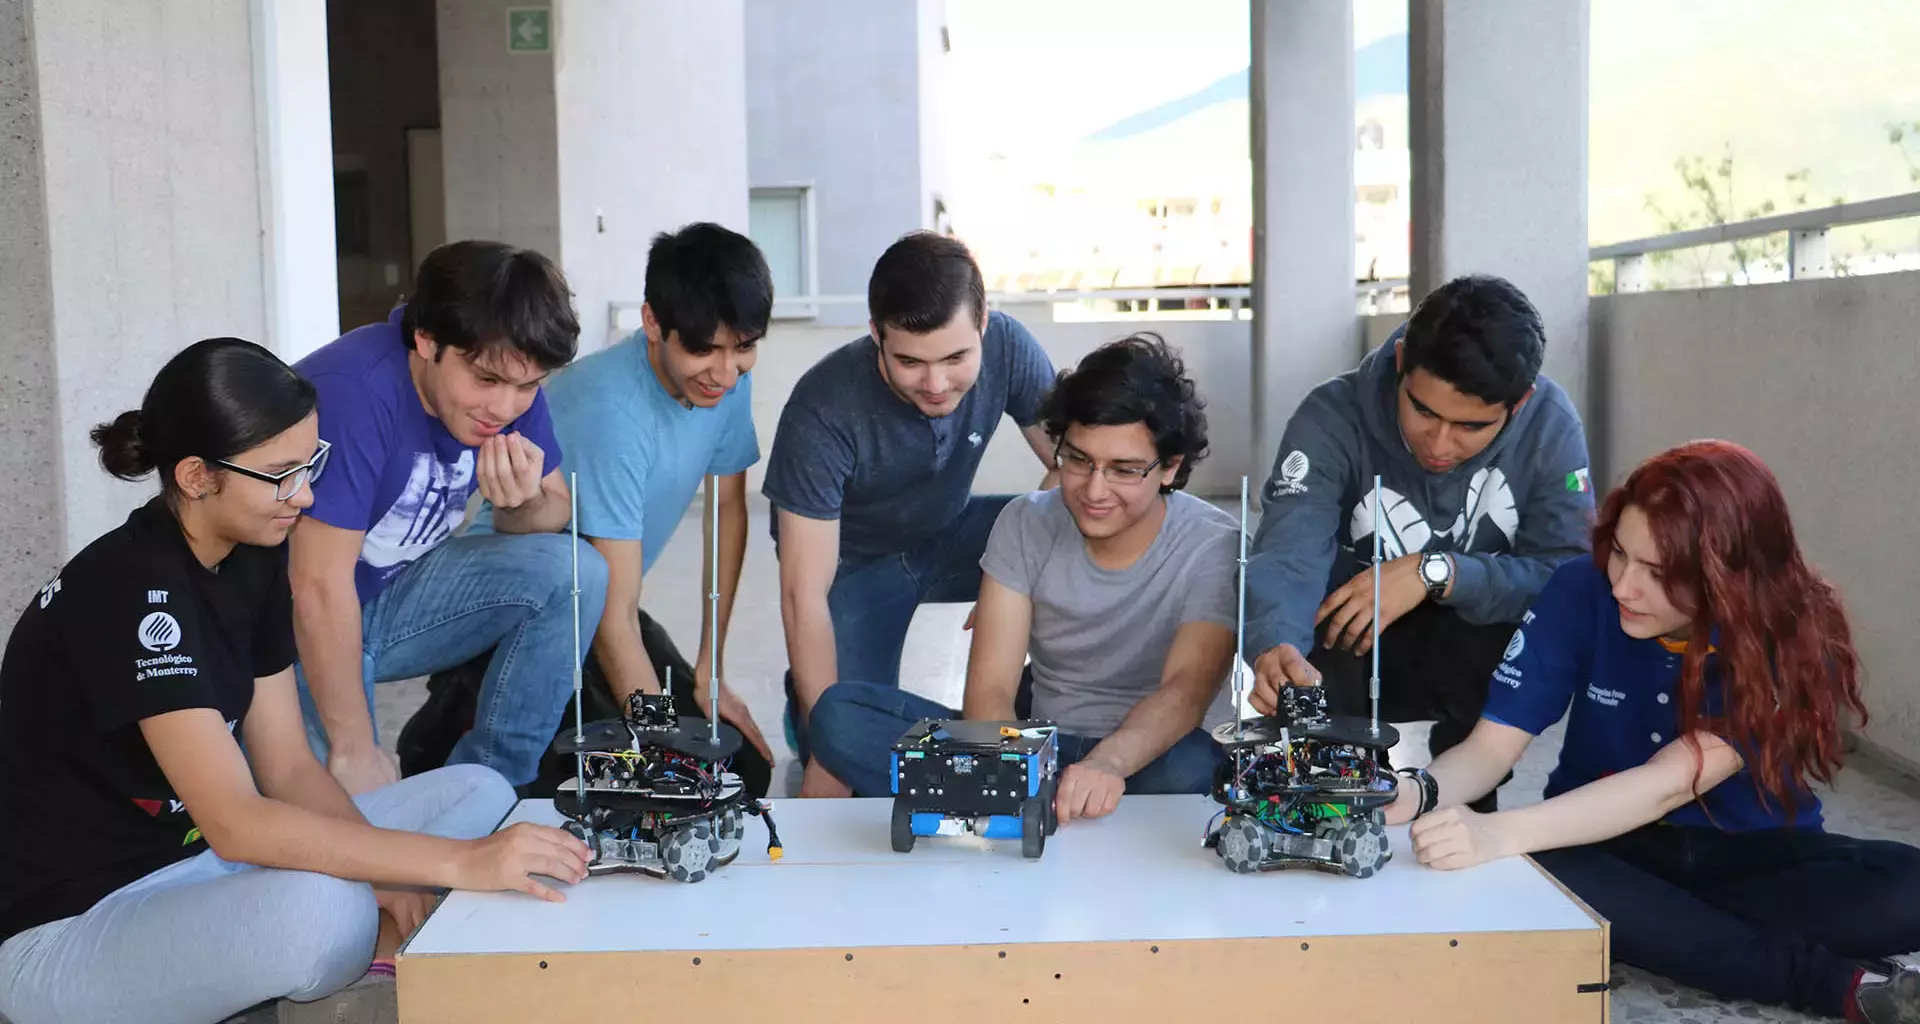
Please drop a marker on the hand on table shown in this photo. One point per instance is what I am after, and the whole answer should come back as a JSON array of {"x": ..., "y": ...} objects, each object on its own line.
[
  {"x": 508, "y": 860},
  {"x": 1457, "y": 837},
  {"x": 1089, "y": 788}
]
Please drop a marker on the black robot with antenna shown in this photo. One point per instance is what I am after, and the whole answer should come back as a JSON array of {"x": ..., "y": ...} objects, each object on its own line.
[
  {"x": 651, "y": 791},
  {"x": 1302, "y": 788}
]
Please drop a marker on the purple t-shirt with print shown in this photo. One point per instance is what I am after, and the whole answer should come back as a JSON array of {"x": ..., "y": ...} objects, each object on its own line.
[{"x": 394, "y": 471}]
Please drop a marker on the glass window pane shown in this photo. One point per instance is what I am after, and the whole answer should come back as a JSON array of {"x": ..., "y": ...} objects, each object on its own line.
[{"x": 777, "y": 224}]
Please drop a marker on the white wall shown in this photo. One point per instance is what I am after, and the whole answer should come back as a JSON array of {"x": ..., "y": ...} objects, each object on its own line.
[
  {"x": 153, "y": 212},
  {"x": 1819, "y": 379},
  {"x": 650, "y": 101},
  {"x": 498, "y": 133},
  {"x": 833, "y": 101},
  {"x": 1216, "y": 354}
]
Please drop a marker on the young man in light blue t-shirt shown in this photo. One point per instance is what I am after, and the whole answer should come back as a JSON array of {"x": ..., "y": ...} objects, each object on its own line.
[{"x": 644, "y": 422}]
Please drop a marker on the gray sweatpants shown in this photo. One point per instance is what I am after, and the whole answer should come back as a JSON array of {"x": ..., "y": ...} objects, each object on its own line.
[{"x": 203, "y": 939}]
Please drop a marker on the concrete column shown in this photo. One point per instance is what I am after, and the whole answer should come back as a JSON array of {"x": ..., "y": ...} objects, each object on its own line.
[
  {"x": 31, "y": 543},
  {"x": 1305, "y": 325},
  {"x": 131, "y": 227},
  {"x": 295, "y": 138},
  {"x": 631, "y": 122},
  {"x": 1498, "y": 112}
]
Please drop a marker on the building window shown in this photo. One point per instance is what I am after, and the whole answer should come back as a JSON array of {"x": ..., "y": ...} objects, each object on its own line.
[{"x": 780, "y": 221}]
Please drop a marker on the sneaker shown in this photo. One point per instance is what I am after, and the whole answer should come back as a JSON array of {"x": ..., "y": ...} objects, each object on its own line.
[
  {"x": 1889, "y": 994},
  {"x": 371, "y": 1000}
]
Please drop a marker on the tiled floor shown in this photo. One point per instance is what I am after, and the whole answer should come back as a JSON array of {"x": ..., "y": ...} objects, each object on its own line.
[{"x": 1865, "y": 802}]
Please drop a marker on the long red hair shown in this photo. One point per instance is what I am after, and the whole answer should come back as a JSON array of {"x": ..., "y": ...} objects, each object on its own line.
[{"x": 1729, "y": 560}]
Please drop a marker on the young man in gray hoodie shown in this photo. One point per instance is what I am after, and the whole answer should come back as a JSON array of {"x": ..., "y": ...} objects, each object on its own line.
[{"x": 1484, "y": 479}]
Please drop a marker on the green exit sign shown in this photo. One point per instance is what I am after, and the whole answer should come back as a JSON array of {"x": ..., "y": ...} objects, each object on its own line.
[{"x": 529, "y": 30}]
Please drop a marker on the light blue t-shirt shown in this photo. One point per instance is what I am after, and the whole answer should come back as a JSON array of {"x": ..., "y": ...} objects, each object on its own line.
[{"x": 641, "y": 455}]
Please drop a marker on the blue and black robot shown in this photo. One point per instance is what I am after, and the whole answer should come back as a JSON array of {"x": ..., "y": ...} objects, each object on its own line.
[{"x": 993, "y": 779}]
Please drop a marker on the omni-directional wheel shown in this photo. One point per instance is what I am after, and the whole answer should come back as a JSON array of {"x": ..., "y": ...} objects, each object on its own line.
[
  {"x": 688, "y": 852},
  {"x": 1360, "y": 846},
  {"x": 1244, "y": 845},
  {"x": 1033, "y": 826},
  {"x": 730, "y": 827},
  {"x": 902, "y": 826}
]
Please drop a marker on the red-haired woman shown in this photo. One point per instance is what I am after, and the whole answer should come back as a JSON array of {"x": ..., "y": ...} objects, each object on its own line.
[{"x": 1708, "y": 669}]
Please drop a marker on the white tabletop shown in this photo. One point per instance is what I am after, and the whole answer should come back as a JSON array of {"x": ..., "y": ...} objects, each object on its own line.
[{"x": 1138, "y": 874}]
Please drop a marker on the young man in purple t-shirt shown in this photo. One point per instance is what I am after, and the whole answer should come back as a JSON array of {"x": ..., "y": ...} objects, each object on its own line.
[{"x": 442, "y": 400}]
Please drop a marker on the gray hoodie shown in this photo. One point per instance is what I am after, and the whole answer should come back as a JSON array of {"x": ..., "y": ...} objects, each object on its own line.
[{"x": 1510, "y": 514}]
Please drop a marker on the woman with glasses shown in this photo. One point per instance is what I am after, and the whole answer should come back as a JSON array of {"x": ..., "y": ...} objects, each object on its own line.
[{"x": 173, "y": 851}]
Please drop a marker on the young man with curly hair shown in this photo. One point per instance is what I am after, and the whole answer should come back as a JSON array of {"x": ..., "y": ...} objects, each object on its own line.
[{"x": 1117, "y": 585}]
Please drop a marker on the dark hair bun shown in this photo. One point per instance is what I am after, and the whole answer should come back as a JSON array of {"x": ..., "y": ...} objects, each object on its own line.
[{"x": 121, "y": 450}]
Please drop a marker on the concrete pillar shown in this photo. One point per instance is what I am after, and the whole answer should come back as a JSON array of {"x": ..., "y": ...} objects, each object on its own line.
[
  {"x": 630, "y": 121},
  {"x": 1305, "y": 325},
  {"x": 294, "y": 131},
  {"x": 132, "y": 220},
  {"x": 1498, "y": 121},
  {"x": 31, "y": 538}
]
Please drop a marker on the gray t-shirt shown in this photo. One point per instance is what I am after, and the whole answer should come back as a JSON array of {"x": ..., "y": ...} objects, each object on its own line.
[
  {"x": 848, "y": 448},
  {"x": 1100, "y": 638}
]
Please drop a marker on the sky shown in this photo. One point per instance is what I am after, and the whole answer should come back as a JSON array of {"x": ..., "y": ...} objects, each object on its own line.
[{"x": 1780, "y": 85}]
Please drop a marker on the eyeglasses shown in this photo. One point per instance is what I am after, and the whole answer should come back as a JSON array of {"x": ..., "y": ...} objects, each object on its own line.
[
  {"x": 287, "y": 482},
  {"x": 1076, "y": 464}
]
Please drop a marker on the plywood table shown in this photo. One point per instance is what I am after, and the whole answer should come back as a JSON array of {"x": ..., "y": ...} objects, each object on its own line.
[{"x": 1125, "y": 918}]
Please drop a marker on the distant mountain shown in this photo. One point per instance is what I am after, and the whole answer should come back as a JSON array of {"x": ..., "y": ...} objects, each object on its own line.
[{"x": 1379, "y": 69}]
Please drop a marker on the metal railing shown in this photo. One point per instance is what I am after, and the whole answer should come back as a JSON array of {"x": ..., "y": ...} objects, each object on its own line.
[
  {"x": 623, "y": 315},
  {"x": 1808, "y": 253}
]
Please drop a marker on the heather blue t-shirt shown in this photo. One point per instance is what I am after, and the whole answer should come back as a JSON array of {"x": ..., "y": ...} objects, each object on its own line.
[
  {"x": 394, "y": 471},
  {"x": 849, "y": 448},
  {"x": 1621, "y": 698},
  {"x": 640, "y": 455}
]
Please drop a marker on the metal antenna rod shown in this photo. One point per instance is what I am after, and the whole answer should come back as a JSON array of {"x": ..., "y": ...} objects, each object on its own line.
[
  {"x": 1379, "y": 525},
  {"x": 579, "y": 741},
  {"x": 1240, "y": 627},
  {"x": 713, "y": 617}
]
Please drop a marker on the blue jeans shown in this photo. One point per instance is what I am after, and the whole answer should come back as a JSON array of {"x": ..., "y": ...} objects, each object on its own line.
[
  {"x": 856, "y": 724},
  {"x": 872, "y": 602},
  {"x": 1781, "y": 917},
  {"x": 508, "y": 593},
  {"x": 204, "y": 938}
]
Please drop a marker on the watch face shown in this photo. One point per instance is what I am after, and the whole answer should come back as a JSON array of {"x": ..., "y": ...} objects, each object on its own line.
[{"x": 1436, "y": 569}]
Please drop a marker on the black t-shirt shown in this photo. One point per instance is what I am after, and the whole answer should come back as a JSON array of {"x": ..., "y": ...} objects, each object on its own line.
[{"x": 134, "y": 626}]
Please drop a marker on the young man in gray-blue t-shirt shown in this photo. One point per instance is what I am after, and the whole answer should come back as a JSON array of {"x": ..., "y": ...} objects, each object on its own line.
[{"x": 872, "y": 465}]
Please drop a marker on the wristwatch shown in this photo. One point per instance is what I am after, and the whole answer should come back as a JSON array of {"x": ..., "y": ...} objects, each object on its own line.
[
  {"x": 1436, "y": 571},
  {"x": 1429, "y": 788}
]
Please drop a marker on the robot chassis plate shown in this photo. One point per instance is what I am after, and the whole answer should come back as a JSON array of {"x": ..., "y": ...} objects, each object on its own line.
[
  {"x": 991, "y": 779},
  {"x": 1303, "y": 789},
  {"x": 658, "y": 799}
]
